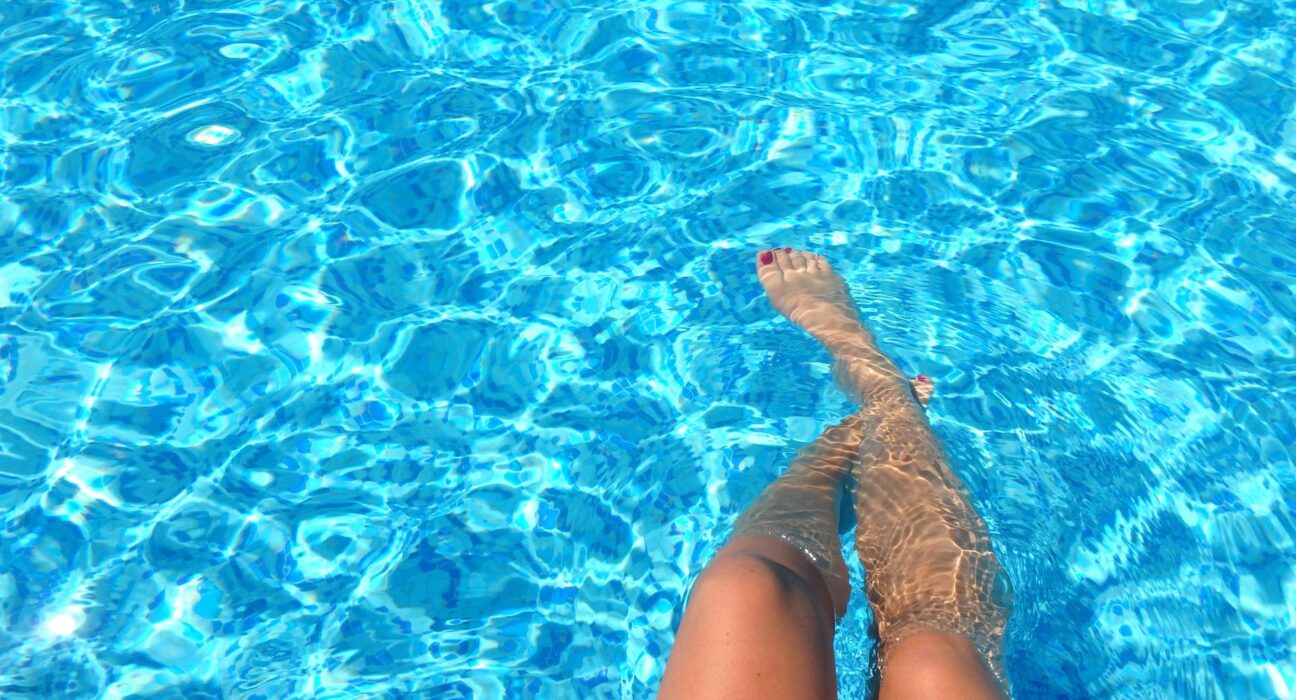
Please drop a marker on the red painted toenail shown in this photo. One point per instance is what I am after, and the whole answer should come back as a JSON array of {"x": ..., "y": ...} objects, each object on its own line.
[
  {"x": 922, "y": 378},
  {"x": 787, "y": 250},
  {"x": 766, "y": 257}
]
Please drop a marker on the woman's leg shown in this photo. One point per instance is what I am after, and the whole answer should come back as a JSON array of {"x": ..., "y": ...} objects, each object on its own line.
[
  {"x": 932, "y": 576},
  {"x": 931, "y": 573},
  {"x": 760, "y": 617}
]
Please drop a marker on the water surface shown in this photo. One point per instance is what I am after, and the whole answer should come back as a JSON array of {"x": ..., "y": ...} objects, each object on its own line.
[{"x": 412, "y": 349}]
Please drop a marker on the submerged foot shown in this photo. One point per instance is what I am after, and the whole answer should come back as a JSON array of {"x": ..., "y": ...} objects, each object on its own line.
[
  {"x": 922, "y": 388},
  {"x": 803, "y": 287}
]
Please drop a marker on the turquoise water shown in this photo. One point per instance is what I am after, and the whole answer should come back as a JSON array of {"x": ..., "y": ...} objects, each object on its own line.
[{"x": 413, "y": 349}]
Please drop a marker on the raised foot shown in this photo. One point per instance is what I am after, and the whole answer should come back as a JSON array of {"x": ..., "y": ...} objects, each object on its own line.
[{"x": 804, "y": 288}]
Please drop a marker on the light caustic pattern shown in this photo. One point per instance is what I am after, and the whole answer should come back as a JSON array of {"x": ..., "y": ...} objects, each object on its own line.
[{"x": 359, "y": 348}]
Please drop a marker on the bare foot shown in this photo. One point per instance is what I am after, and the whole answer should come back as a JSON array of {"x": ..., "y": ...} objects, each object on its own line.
[
  {"x": 922, "y": 388},
  {"x": 803, "y": 287}
]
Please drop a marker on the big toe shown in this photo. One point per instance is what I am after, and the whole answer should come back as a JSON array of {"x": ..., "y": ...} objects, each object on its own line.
[{"x": 768, "y": 268}]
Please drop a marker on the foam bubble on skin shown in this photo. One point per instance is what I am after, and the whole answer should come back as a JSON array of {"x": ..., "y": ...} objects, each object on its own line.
[{"x": 214, "y": 135}]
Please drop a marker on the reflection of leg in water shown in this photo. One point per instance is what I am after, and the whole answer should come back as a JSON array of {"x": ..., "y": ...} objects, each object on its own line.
[
  {"x": 932, "y": 577},
  {"x": 759, "y": 622}
]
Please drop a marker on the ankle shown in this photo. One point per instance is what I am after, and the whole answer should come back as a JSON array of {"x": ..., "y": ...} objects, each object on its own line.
[{"x": 847, "y": 337}]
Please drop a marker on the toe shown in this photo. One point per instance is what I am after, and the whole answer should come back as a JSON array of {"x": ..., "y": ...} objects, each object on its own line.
[
  {"x": 767, "y": 268},
  {"x": 782, "y": 258},
  {"x": 819, "y": 262},
  {"x": 800, "y": 261}
]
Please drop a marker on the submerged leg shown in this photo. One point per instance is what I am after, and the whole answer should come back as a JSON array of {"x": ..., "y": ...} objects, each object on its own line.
[
  {"x": 931, "y": 574},
  {"x": 760, "y": 617},
  {"x": 933, "y": 579}
]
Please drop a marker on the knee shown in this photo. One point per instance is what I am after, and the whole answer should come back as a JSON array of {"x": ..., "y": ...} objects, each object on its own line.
[
  {"x": 926, "y": 648},
  {"x": 755, "y": 582},
  {"x": 937, "y": 664}
]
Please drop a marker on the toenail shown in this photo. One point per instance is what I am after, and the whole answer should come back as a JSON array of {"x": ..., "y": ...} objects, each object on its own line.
[
  {"x": 766, "y": 257},
  {"x": 922, "y": 378},
  {"x": 787, "y": 250}
]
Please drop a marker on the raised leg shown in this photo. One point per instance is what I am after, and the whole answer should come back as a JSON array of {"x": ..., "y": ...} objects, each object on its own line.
[
  {"x": 759, "y": 625},
  {"x": 759, "y": 622},
  {"x": 802, "y": 505}
]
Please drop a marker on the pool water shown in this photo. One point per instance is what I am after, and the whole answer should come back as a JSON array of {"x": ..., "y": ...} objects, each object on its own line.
[{"x": 402, "y": 348}]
